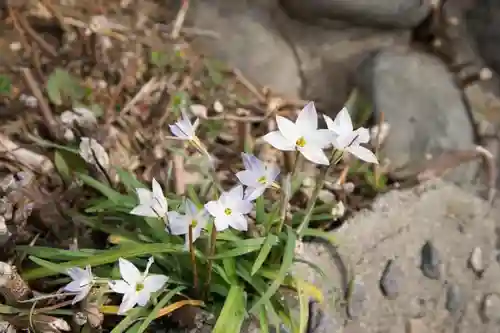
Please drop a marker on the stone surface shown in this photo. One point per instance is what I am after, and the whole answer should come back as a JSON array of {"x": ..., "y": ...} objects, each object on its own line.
[
  {"x": 476, "y": 262},
  {"x": 424, "y": 108},
  {"x": 390, "y": 280},
  {"x": 490, "y": 308},
  {"x": 402, "y": 222},
  {"x": 293, "y": 58},
  {"x": 389, "y": 13},
  {"x": 430, "y": 261},
  {"x": 356, "y": 299}
]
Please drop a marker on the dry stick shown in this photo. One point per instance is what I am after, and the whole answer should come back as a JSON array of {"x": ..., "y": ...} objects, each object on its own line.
[
  {"x": 193, "y": 257},
  {"x": 242, "y": 79},
  {"x": 40, "y": 41},
  {"x": 44, "y": 106},
  {"x": 17, "y": 26},
  {"x": 57, "y": 15},
  {"x": 179, "y": 20}
]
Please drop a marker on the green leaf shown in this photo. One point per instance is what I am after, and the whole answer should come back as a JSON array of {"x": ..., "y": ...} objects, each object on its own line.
[
  {"x": 62, "y": 84},
  {"x": 61, "y": 166},
  {"x": 48, "y": 265},
  {"x": 108, "y": 257},
  {"x": 263, "y": 321},
  {"x": 260, "y": 210},
  {"x": 132, "y": 316},
  {"x": 283, "y": 271},
  {"x": 237, "y": 251},
  {"x": 5, "y": 85},
  {"x": 67, "y": 162},
  {"x": 328, "y": 236},
  {"x": 113, "y": 195},
  {"x": 128, "y": 180},
  {"x": 159, "y": 59},
  {"x": 230, "y": 269},
  {"x": 152, "y": 315},
  {"x": 56, "y": 254},
  {"x": 270, "y": 241},
  {"x": 233, "y": 312}
]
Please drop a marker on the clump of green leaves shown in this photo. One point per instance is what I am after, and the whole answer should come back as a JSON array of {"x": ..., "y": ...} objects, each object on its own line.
[{"x": 62, "y": 86}]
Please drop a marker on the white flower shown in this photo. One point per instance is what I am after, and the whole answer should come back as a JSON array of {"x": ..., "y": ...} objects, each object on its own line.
[
  {"x": 92, "y": 152},
  {"x": 230, "y": 209},
  {"x": 179, "y": 224},
  {"x": 257, "y": 176},
  {"x": 348, "y": 139},
  {"x": 81, "y": 284},
  {"x": 184, "y": 129},
  {"x": 136, "y": 287},
  {"x": 303, "y": 135},
  {"x": 151, "y": 203}
]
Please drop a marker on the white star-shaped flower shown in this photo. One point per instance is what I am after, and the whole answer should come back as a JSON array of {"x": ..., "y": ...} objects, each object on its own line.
[
  {"x": 348, "y": 139},
  {"x": 230, "y": 209},
  {"x": 257, "y": 177},
  {"x": 303, "y": 135},
  {"x": 183, "y": 128},
  {"x": 179, "y": 224},
  {"x": 136, "y": 287},
  {"x": 81, "y": 284},
  {"x": 151, "y": 204}
]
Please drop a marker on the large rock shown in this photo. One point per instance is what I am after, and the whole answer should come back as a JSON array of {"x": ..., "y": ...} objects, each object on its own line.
[
  {"x": 423, "y": 106},
  {"x": 400, "y": 223},
  {"x": 392, "y": 13},
  {"x": 292, "y": 58}
]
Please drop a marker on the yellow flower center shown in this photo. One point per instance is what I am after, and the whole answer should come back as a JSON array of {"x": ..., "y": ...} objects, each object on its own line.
[
  {"x": 228, "y": 211},
  {"x": 301, "y": 142},
  {"x": 194, "y": 223},
  {"x": 262, "y": 180},
  {"x": 139, "y": 287}
]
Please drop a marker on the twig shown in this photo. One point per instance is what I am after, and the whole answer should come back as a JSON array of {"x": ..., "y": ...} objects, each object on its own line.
[
  {"x": 24, "y": 156},
  {"x": 179, "y": 20},
  {"x": 44, "y": 106},
  {"x": 32, "y": 33},
  {"x": 243, "y": 119},
  {"x": 57, "y": 15},
  {"x": 17, "y": 26},
  {"x": 243, "y": 80}
]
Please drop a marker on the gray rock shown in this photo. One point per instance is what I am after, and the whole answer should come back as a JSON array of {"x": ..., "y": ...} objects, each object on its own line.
[
  {"x": 476, "y": 262},
  {"x": 454, "y": 299},
  {"x": 490, "y": 308},
  {"x": 392, "y": 13},
  {"x": 356, "y": 299},
  {"x": 430, "y": 261},
  {"x": 424, "y": 108},
  {"x": 389, "y": 282}
]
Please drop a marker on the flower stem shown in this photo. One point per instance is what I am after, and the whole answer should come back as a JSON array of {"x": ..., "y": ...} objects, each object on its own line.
[
  {"x": 286, "y": 193},
  {"x": 320, "y": 181},
  {"x": 213, "y": 238},
  {"x": 193, "y": 257}
]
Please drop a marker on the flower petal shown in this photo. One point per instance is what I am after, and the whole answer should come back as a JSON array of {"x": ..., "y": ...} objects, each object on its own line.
[
  {"x": 145, "y": 196},
  {"x": 214, "y": 208},
  {"x": 235, "y": 193},
  {"x": 73, "y": 286},
  {"x": 288, "y": 128},
  {"x": 82, "y": 294},
  {"x": 314, "y": 154},
  {"x": 177, "y": 131},
  {"x": 119, "y": 286},
  {"x": 272, "y": 173},
  {"x": 154, "y": 282},
  {"x": 342, "y": 123},
  {"x": 278, "y": 141},
  {"x": 190, "y": 208},
  {"x": 249, "y": 178},
  {"x": 129, "y": 272},
  {"x": 252, "y": 193},
  {"x": 179, "y": 224},
  {"x": 159, "y": 198},
  {"x": 363, "y": 153},
  {"x": 362, "y": 136},
  {"x": 128, "y": 302},
  {"x": 221, "y": 222},
  {"x": 143, "y": 297},
  {"x": 307, "y": 119},
  {"x": 143, "y": 210},
  {"x": 321, "y": 138},
  {"x": 239, "y": 222},
  {"x": 243, "y": 206},
  {"x": 76, "y": 273}
]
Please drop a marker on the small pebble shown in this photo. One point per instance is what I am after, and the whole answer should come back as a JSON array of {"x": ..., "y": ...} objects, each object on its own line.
[
  {"x": 454, "y": 299},
  {"x": 389, "y": 282},
  {"x": 476, "y": 262},
  {"x": 431, "y": 263},
  {"x": 490, "y": 308},
  {"x": 357, "y": 297},
  {"x": 218, "y": 107}
]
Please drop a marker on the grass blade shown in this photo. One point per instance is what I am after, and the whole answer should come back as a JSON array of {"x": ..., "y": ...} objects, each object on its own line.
[
  {"x": 303, "y": 307},
  {"x": 263, "y": 321},
  {"x": 132, "y": 316},
  {"x": 156, "y": 310},
  {"x": 233, "y": 312},
  {"x": 285, "y": 267},
  {"x": 270, "y": 241}
]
